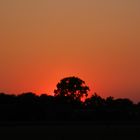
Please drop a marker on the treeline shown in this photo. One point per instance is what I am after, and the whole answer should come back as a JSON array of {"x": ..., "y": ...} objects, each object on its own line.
[{"x": 32, "y": 107}]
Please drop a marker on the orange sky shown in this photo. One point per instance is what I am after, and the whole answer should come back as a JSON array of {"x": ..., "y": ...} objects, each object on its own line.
[{"x": 42, "y": 41}]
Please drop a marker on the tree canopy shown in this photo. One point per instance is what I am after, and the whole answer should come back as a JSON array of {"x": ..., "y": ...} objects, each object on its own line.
[{"x": 72, "y": 87}]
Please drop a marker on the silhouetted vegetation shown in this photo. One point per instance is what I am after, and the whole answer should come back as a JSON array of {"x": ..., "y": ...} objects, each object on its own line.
[
  {"x": 66, "y": 105},
  {"x": 72, "y": 87}
]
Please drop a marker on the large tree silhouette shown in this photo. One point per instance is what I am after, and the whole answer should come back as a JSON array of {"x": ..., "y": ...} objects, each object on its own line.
[{"x": 72, "y": 87}]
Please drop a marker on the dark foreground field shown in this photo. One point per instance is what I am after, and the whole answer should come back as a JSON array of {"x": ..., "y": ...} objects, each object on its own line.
[{"x": 69, "y": 131}]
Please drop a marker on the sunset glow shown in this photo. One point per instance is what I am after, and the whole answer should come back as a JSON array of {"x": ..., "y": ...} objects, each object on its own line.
[{"x": 43, "y": 41}]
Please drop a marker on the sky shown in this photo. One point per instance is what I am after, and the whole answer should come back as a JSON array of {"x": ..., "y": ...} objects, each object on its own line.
[{"x": 43, "y": 41}]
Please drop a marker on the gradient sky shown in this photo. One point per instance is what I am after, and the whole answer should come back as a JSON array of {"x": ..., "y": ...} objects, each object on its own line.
[{"x": 43, "y": 41}]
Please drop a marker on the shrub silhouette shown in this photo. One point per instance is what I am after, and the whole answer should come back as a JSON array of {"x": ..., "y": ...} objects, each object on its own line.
[
  {"x": 94, "y": 102},
  {"x": 31, "y": 107}
]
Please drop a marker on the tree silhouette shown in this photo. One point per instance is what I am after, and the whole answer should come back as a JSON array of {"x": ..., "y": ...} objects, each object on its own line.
[
  {"x": 66, "y": 105},
  {"x": 94, "y": 102},
  {"x": 72, "y": 87}
]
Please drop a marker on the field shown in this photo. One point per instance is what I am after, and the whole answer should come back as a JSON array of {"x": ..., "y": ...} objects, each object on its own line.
[{"x": 70, "y": 130}]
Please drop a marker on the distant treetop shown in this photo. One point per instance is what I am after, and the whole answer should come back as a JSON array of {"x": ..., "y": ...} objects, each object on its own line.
[{"x": 72, "y": 87}]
